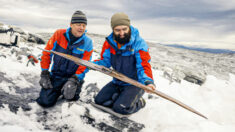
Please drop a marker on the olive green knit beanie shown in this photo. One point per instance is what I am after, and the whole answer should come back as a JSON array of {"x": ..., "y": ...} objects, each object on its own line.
[{"x": 120, "y": 19}]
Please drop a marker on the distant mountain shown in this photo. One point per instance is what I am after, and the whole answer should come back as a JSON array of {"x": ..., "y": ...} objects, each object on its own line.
[{"x": 209, "y": 50}]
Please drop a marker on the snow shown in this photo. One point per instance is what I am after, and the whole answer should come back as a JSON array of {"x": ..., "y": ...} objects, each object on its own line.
[
  {"x": 214, "y": 98},
  {"x": 9, "y": 128},
  {"x": 20, "y": 121},
  {"x": 7, "y": 88}
]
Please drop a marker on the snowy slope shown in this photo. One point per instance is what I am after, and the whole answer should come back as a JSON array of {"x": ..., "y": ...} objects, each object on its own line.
[{"x": 214, "y": 98}]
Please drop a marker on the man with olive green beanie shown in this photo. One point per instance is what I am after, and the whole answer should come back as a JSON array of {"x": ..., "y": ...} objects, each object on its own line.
[{"x": 126, "y": 52}]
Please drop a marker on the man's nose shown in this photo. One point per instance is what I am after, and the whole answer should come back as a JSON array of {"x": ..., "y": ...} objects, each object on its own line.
[{"x": 122, "y": 32}]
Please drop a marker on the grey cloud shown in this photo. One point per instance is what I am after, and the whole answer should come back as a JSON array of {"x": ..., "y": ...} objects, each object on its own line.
[
  {"x": 177, "y": 8},
  {"x": 211, "y": 14},
  {"x": 182, "y": 13}
]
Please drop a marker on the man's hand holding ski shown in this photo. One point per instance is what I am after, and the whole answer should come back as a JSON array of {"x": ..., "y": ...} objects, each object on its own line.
[{"x": 150, "y": 86}]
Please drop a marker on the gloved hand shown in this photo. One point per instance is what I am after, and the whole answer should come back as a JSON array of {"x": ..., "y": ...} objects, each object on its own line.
[
  {"x": 72, "y": 88},
  {"x": 45, "y": 81}
]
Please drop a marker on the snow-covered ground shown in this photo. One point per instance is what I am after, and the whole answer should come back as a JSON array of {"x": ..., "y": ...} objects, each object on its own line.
[{"x": 214, "y": 98}]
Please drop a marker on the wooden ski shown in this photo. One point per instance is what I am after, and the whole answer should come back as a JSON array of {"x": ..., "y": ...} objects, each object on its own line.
[{"x": 124, "y": 78}]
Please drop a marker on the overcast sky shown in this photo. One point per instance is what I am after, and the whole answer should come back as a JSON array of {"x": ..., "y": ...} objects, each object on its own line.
[{"x": 208, "y": 23}]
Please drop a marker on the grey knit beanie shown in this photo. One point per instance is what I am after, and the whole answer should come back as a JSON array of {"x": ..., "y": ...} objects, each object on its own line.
[
  {"x": 120, "y": 19},
  {"x": 79, "y": 17}
]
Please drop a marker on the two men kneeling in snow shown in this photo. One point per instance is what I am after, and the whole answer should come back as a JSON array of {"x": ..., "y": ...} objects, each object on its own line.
[{"x": 123, "y": 50}]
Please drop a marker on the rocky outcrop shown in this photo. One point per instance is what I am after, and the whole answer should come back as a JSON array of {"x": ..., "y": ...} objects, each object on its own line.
[
  {"x": 36, "y": 39},
  {"x": 193, "y": 66},
  {"x": 10, "y": 31}
]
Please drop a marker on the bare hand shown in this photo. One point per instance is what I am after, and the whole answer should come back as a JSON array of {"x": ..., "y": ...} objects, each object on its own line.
[{"x": 150, "y": 86}]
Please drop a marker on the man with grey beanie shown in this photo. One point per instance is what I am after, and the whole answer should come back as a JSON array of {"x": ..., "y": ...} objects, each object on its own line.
[
  {"x": 126, "y": 52},
  {"x": 65, "y": 77}
]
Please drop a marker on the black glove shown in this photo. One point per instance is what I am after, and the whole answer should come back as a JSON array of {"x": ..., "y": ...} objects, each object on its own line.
[
  {"x": 45, "y": 81},
  {"x": 72, "y": 88}
]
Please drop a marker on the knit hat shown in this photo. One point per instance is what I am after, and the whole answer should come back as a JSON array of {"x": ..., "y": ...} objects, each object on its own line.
[
  {"x": 79, "y": 17},
  {"x": 120, "y": 19}
]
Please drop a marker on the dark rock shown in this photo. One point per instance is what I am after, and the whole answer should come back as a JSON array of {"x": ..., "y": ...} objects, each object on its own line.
[
  {"x": 35, "y": 39},
  {"x": 19, "y": 58},
  {"x": 4, "y": 56},
  {"x": 194, "y": 79},
  {"x": 28, "y": 37},
  {"x": 152, "y": 97}
]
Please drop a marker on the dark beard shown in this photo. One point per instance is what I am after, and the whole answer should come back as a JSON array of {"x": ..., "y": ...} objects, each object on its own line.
[{"x": 124, "y": 40}]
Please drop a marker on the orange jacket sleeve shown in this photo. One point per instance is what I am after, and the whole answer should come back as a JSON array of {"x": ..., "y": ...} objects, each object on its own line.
[{"x": 46, "y": 56}]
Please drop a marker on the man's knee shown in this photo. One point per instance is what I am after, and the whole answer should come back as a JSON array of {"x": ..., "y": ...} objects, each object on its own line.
[
  {"x": 45, "y": 102},
  {"x": 98, "y": 99},
  {"x": 127, "y": 105},
  {"x": 47, "y": 98},
  {"x": 106, "y": 93}
]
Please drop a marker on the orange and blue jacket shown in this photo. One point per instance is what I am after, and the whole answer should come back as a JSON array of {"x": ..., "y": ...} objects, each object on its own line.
[
  {"x": 132, "y": 59},
  {"x": 62, "y": 67}
]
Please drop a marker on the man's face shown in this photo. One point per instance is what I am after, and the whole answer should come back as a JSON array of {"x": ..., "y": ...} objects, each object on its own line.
[
  {"x": 78, "y": 29},
  {"x": 122, "y": 34}
]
